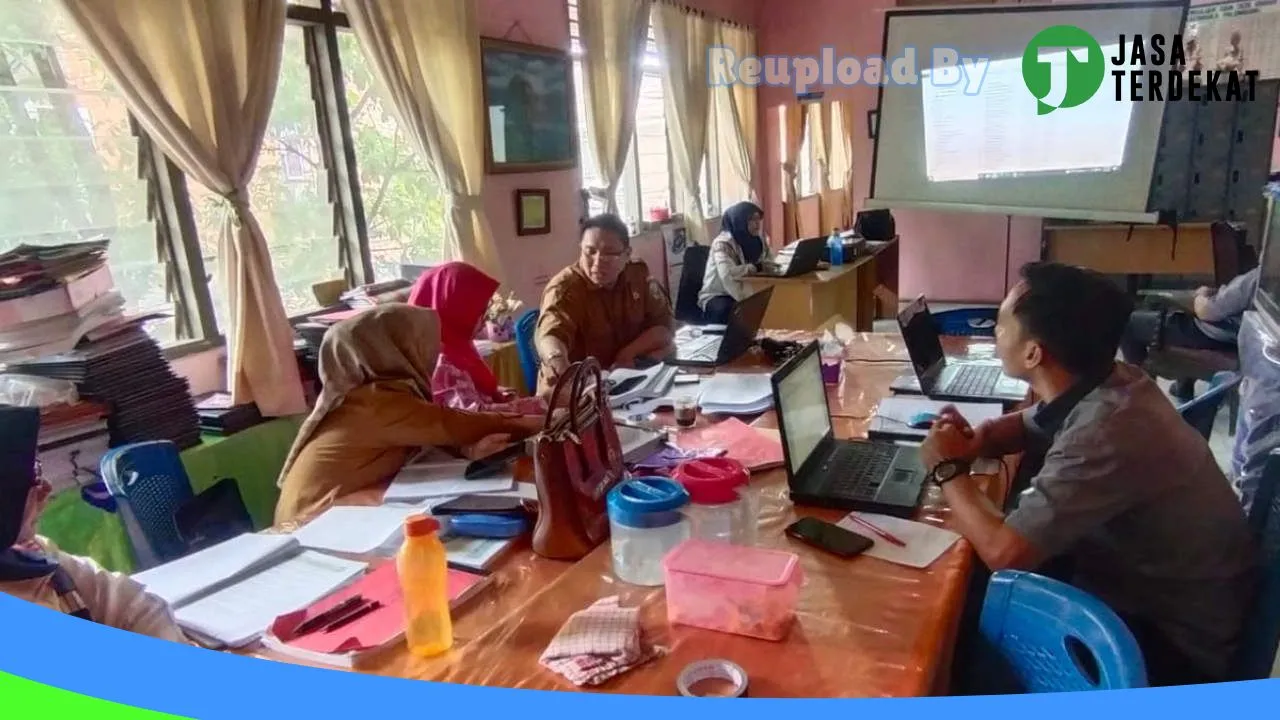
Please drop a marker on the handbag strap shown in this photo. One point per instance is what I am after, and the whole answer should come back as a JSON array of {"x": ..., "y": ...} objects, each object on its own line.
[
  {"x": 568, "y": 376},
  {"x": 589, "y": 370}
]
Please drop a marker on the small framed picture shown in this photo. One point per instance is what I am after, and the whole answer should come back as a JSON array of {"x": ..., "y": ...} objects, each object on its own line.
[
  {"x": 533, "y": 212},
  {"x": 873, "y": 124}
]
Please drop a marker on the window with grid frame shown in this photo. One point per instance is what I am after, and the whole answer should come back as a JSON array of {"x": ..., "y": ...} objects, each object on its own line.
[{"x": 647, "y": 181}]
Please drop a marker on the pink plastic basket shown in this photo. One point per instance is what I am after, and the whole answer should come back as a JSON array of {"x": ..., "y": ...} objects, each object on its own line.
[{"x": 732, "y": 588}]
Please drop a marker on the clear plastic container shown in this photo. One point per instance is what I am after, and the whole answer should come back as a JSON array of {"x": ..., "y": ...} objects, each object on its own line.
[
  {"x": 645, "y": 522},
  {"x": 733, "y": 589},
  {"x": 722, "y": 504}
]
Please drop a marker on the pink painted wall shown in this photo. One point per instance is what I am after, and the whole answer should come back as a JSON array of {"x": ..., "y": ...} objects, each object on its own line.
[{"x": 946, "y": 256}]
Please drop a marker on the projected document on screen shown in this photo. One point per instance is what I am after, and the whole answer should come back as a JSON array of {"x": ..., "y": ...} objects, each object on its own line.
[{"x": 996, "y": 132}]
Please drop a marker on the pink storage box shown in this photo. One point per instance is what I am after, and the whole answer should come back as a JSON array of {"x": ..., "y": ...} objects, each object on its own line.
[{"x": 732, "y": 588}]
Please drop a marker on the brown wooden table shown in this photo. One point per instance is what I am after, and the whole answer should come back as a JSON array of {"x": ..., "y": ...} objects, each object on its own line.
[{"x": 865, "y": 627}]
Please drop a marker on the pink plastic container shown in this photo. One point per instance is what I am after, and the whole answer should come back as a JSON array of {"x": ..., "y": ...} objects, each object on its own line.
[{"x": 732, "y": 588}]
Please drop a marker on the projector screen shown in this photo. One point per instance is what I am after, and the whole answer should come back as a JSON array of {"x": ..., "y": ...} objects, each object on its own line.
[{"x": 984, "y": 147}]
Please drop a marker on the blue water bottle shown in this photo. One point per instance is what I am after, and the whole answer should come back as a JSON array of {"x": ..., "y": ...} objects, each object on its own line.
[{"x": 835, "y": 248}]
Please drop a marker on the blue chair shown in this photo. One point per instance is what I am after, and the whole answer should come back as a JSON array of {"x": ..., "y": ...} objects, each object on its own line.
[
  {"x": 1261, "y": 636},
  {"x": 149, "y": 484},
  {"x": 1041, "y": 635},
  {"x": 966, "y": 322},
  {"x": 1201, "y": 412},
  {"x": 525, "y": 326}
]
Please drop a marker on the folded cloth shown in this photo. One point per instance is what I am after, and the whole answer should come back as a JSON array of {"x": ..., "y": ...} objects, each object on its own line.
[{"x": 598, "y": 643}]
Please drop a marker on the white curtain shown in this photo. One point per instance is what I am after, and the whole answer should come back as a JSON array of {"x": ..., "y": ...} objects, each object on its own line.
[
  {"x": 200, "y": 76},
  {"x": 613, "y": 34},
  {"x": 683, "y": 38},
  {"x": 426, "y": 58},
  {"x": 735, "y": 107}
]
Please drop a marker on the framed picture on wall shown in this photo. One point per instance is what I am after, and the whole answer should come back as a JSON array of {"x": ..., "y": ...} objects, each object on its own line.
[
  {"x": 533, "y": 212},
  {"x": 529, "y": 107},
  {"x": 873, "y": 124}
]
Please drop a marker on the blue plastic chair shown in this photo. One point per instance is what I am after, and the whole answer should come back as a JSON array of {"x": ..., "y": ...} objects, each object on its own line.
[
  {"x": 1042, "y": 635},
  {"x": 1261, "y": 636},
  {"x": 525, "y": 326},
  {"x": 966, "y": 322},
  {"x": 149, "y": 485},
  {"x": 1201, "y": 412}
]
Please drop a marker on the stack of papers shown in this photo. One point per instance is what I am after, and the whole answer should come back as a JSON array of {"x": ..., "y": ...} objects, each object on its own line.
[
  {"x": 435, "y": 480},
  {"x": 230, "y": 593},
  {"x": 650, "y": 383},
  {"x": 736, "y": 394}
]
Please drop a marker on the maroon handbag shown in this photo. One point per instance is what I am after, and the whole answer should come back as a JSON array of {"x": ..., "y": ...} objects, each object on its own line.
[{"x": 577, "y": 459}]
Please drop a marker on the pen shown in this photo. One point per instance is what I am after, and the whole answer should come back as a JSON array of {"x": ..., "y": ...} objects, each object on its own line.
[
  {"x": 328, "y": 616},
  {"x": 375, "y": 605},
  {"x": 888, "y": 536}
]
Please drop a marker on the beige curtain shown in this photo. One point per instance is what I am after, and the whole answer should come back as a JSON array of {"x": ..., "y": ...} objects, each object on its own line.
[
  {"x": 735, "y": 107},
  {"x": 820, "y": 141},
  {"x": 847, "y": 125},
  {"x": 200, "y": 76},
  {"x": 426, "y": 58},
  {"x": 683, "y": 38},
  {"x": 793, "y": 122},
  {"x": 613, "y": 35}
]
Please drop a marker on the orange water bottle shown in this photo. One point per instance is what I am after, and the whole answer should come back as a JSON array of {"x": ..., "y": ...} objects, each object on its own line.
[{"x": 424, "y": 581}]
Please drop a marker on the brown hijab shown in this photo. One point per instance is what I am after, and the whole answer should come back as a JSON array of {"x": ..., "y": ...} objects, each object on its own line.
[{"x": 388, "y": 343}]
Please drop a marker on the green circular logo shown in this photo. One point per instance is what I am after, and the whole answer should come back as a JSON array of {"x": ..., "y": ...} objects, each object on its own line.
[{"x": 1057, "y": 85}]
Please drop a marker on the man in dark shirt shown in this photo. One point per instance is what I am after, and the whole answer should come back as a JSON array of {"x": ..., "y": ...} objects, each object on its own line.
[
  {"x": 1124, "y": 494},
  {"x": 1213, "y": 324}
]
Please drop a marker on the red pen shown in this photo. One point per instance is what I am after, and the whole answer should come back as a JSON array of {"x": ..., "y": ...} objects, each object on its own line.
[{"x": 888, "y": 536}]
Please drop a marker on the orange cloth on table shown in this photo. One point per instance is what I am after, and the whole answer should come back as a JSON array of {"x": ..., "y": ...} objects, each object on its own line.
[
  {"x": 598, "y": 322},
  {"x": 374, "y": 410}
]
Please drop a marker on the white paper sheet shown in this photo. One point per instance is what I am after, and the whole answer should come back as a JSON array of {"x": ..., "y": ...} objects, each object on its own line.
[
  {"x": 924, "y": 543},
  {"x": 424, "y": 481},
  {"x": 893, "y": 414},
  {"x": 238, "y": 614},
  {"x": 355, "y": 529}
]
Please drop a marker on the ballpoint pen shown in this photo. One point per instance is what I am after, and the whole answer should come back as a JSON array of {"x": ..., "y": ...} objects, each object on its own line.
[{"x": 888, "y": 536}]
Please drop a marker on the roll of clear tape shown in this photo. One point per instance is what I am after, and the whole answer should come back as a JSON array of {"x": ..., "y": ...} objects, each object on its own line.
[{"x": 713, "y": 678}]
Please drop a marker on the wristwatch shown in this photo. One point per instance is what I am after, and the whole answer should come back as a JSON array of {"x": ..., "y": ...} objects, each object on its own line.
[{"x": 948, "y": 470}]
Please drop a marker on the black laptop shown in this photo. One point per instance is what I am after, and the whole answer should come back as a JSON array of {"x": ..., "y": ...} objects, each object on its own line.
[
  {"x": 868, "y": 476},
  {"x": 714, "y": 350},
  {"x": 805, "y": 257},
  {"x": 943, "y": 378}
]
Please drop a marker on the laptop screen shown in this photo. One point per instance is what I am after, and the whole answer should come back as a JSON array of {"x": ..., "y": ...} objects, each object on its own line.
[
  {"x": 745, "y": 321},
  {"x": 918, "y": 332},
  {"x": 802, "y": 405}
]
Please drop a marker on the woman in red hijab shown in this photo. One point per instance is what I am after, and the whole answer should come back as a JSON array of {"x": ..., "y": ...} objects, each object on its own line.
[{"x": 460, "y": 294}]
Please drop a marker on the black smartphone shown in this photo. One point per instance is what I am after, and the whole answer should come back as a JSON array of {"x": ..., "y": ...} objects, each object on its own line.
[
  {"x": 493, "y": 464},
  {"x": 829, "y": 537},
  {"x": 482, "y": 505},
  {"x": 626, "y": 386}
]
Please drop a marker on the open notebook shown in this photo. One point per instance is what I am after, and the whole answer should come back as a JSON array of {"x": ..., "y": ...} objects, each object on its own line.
[{"x": 230, "y": 593}]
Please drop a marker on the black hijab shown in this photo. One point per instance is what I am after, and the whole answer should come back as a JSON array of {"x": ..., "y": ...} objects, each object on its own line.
[
  {"x": 735, "y": 221},
  {"x": 19, "y": 439}
]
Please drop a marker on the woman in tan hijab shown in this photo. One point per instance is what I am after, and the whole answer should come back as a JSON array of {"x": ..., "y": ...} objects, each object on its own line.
[{"x": 375, "y": 411}]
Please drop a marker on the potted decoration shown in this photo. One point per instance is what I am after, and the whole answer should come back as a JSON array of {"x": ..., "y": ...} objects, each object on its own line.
[{"x": 500, "y": 318}]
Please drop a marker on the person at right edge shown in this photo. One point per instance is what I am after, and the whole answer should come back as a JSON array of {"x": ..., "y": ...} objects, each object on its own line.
[
  {"x": 1213, "y": 324},
  {"x": 1126, "y": 501}
]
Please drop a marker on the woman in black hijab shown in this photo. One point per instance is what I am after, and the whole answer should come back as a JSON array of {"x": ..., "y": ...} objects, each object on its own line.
[
  {"x": 739, "y": 249},
  {"x": 32, "y": 569}
]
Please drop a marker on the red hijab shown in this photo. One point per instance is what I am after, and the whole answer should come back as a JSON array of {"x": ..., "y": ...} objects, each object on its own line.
[{"x": 460, "y": 294}]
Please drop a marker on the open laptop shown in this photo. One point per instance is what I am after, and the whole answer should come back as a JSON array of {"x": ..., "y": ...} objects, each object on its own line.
[
  {"x": 713, "y": 350},
  {"x": 870, "y": 476},
  {"x": 805, "y": 257},
  {"x": 944, "y": 378}
]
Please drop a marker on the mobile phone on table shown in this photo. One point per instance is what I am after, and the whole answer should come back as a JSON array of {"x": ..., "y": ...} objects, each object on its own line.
[
  {"x": 482, "y": 505},
  {"x": 829, "y": 537},
  {"x": 493, "y": 464}
]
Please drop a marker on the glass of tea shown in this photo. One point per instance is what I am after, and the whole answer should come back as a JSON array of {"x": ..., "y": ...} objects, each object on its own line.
[{"x": 686, "y": 409}]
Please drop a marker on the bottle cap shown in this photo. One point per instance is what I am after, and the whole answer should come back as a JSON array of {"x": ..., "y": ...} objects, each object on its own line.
[{"x": 420, "y": 525}]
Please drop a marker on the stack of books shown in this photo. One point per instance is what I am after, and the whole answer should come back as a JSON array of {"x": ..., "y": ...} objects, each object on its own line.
[
  {"x": 218, "y": 416},
  {"x": 128, "y": 373},
  {"x": 53, "y": 297},
  {"x": 73, "y": 439}
]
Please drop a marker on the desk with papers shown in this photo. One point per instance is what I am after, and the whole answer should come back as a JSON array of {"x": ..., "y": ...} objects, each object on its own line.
[{"x": 867, "y": 627}]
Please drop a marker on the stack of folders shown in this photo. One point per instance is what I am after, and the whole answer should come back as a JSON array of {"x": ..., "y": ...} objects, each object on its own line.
[
  {"x": 218, "y": 416},
  {"x": 229, "y": 594},
  {"x": 127, "y": 372},
  {"x": 736, "y": 394}
]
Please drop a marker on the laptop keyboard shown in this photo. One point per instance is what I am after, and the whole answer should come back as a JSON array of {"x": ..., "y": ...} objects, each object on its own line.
[
  {"x": 974, "y": 380},
  {"x": 857, "y": 471}
]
